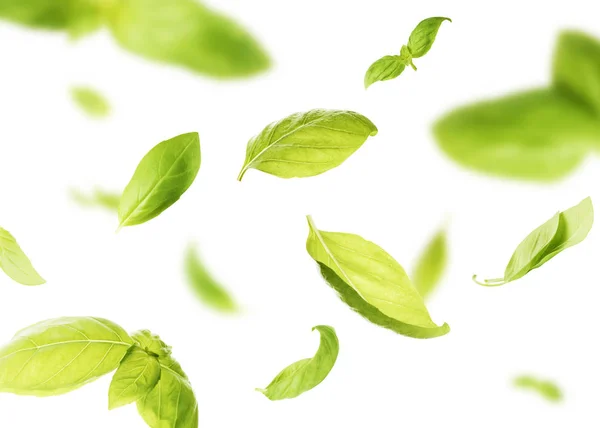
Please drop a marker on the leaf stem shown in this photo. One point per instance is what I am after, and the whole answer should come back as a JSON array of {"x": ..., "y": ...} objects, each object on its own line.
[
  {"x": 242, "y": 172},
  {"x": 413, "y": 65},
  {"x": 495, "y": 282}
]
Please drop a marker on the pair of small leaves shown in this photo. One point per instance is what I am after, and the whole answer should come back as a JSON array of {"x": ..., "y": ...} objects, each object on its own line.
[
  {"x": 419, "y": 43},
  {"x": 90, "y": 102},
  {"x": 15, "y": 263},
  {"x": 307, "y": 144},
  {"x": 371, "y": 282},
  {"x": 546, "y": 389},
  {"x": 306, "y": 374},
  {"x": 162, "y": 176},
  {"x": 540, "y": 135},
  {"x": 565, "y": 229}
]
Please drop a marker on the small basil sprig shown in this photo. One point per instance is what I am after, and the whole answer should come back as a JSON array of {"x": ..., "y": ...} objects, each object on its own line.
[
  {"x": 60, "y": 355},
  {"x": 545, "y": 388},
  {"x": 90, "y": 101},
  {"x": 419, "y": 43},
  {"x": 565, "y": 229},
  {"x": 305, "y": 374},
  {"x": 15, "y": 263}
]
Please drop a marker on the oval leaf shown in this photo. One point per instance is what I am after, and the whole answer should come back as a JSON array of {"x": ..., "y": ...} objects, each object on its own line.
[
  {"x": 137, "y": 374},
  {"x": 90, "y": 101},
  {"x": 208, "y": 290},
  {"x": 431, "y": 264},
  {"x": 160, "y": 179},
  {"x": 307, "y": 144},
  {"x": 422, "y": 37},
  {"x": 305, "y": 374},
  {"x": 15, "y": 263},
  {"x": 372, "y": 273},
  {"x": 546, "y": 389},
  {"x": 386, "y": 68},
  {"x": 538, "y": 135},
  {"x": 59, "y": 355}
]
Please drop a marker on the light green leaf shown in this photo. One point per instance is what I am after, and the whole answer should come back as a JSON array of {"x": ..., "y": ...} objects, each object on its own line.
[
  {"x": 548, "y": 390},
  {"x": 162, "y": 176},
  {"x": 422, "y": 37},
  {"x": 538, "y": 135},
  {"x": 97, "y": 198},
  {"x": 151, "y": 343},
  {"x": 373, "y": 274},
  {"x": 60, "y": 355},
  {"x": 208, "y": 290},
  {"x": 386, "y": 68},
  {"x": 565, "y": 229},
  {"x": 577, "y": 67},
  {"x": 188, "y": 34},
  {"x": 90, "y": 101},
  {"x": 431, "y": 264},
  {"x": 15, "y": 263},
  {"x": 305, "y": 374},
  {"x": 307, "y": 144},
  {"x": 137, "y": 374}
]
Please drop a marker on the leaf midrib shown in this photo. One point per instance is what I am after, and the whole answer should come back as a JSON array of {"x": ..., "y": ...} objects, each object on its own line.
[{"x": 68, "y": 342}]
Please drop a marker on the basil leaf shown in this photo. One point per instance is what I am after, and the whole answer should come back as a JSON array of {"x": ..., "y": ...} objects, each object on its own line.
[
  {"x": 162, "y": 176},
  {"x": 563, "y": 230},
  {"x": 422, "y": 37},
  {"x": 537, "y": 135},
  {"x": 307, "y": 144},
  {"x": 151, "y": 343},
  {"x": 373, "y": 274},
  {"x": 548, "y": 390},
  {"x": 15, "y": 263},
  {"x": 305, "y": 374},
  {"x": 208, "y": 290},
  {"x": 386, "y": 68},
  {"x": 137, "y": 374},
  {"x": 90, "y": 101},
  {"x": 60, "y": 355},
  {"x": 431, "y": 264},
  {"x": 188, "y": 34},
  {"x": 97, "y": 198},
  {"x": 577, "y": 67}
]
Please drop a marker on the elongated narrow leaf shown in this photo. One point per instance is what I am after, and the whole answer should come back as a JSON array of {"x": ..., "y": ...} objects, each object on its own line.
[
  {"x": 59, "y": 355},
  {"x": 15, "y": 263},
  {"x": 208, "y": 290},
  {"x": 98, "y": 198},
  {"x": 375, "y": 276},
  {"x": 431, "y": 264},
  {"x": 422, "y": 37},
  {"x": 90, "y": 101},
  {"x": 305, "y": 374},
  {"x": 137, "y": 374},
  {"x": 538, "y": 135},
  {"x": 565, "y": 229},
  {"x": 188, "y": 34},
  {"x": 386, "y": 68},
  {"x": 546, "y": 389},
  {"x": 160, "y": 179},
  {"x": 307, "y": 144}
]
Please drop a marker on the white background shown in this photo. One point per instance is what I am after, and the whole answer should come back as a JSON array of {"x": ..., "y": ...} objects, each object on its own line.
[{"x": 395, "y": 191}]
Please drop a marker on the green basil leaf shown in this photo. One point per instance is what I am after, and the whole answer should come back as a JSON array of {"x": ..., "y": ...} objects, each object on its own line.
[
  {"x": 548, "y": 390},
  {"x": 60, "y": 355},
  {"x": 565, "y": 229},
  {"x": 208, "y": 290},
  {"x": 577, "y": 67},
  {"x": 151, "y": 343},
  {"x": 307, "y": 144},
  {"x": 15, "y": 263},
  {"x": 386, "y": 68},
  {"x": 188, "y": 34},
  {"x": 372, "y": 273},
  {"x": 137, "y": 374},
  {"x": 538, "y": 135},
  {"x": 431, "y": 264},
  {"x": 97, "y": 198},
  {"x": 422, "y": 37},
  {"x": 162, "y": 176},
  {"x": 305, "y": 374},
  {"x": 90, "y": 101}
]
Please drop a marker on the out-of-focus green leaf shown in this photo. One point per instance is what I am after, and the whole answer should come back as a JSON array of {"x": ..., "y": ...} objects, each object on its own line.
[
  {"x": 98, "y": 198},
  {"x": 431, "y": 264},
  {"x": 90, "y": 101},
  {"x": 548, "y": 390},
  {"x": 186, "y": 33}
]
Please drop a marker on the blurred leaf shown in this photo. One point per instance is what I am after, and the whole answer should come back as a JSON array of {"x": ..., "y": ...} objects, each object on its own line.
[
  {"x": 15, "y": 263},
  {"x": 90, "y": 101},
  {"x": 186, "y": 33},
  {"x": 537, "y": 135},
  {"x": 206, "y": 287},
  {"x": 431, "y": 264},
  {"x": 98, "y": 198},
  {"x": 548, "y": 390}
]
